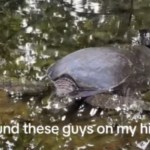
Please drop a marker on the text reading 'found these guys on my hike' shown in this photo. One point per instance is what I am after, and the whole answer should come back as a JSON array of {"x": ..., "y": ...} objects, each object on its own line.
[{"x": 68, "y": 130}]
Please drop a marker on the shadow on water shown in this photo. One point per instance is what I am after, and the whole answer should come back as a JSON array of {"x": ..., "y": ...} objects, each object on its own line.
[{"x": 34, "y": 35}]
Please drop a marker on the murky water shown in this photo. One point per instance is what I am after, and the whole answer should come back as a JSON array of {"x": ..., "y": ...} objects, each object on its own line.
[{"x": 35, "y": 34}]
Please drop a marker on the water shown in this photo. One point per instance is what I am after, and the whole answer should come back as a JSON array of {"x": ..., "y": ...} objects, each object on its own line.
[{"x": 35, "y": 34}]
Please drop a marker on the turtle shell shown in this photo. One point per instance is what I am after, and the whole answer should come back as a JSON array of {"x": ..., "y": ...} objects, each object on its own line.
[{"x": 96, "y": 69}]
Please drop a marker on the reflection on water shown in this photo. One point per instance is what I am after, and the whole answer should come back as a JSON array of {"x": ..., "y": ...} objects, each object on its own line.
[
  {"x": 34, "y": 34},
  {"x": 82, "y": 6}
]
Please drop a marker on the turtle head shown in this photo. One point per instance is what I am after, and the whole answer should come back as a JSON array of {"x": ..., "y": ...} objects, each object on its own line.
[
  {"x": 145, "y": 37},
  {"x": 65, "y": 86}
]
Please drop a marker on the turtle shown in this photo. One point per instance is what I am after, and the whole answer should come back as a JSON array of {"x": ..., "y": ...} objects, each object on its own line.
[
  {"x": 99, "y": 70},
  {"x": 90, "y": 71}
]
